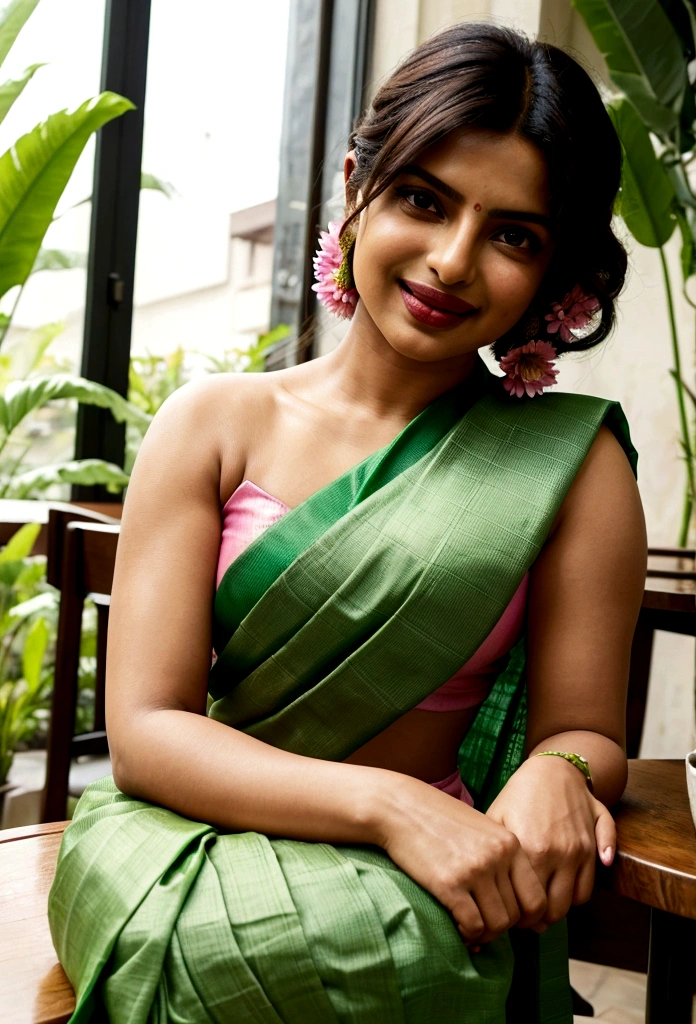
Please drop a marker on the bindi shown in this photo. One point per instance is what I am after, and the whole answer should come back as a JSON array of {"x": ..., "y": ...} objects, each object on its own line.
[{"x": 477, "y": 207}]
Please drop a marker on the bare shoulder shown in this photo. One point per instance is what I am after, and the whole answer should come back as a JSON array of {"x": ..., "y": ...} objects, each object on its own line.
[
  {"x": 206, "y": 427},
  {"x": 604, "y": 494},
  {"x": 599, "y": 537}
]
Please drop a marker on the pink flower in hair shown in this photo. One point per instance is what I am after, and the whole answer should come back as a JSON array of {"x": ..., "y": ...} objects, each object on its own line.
[
  {"x": 529, "y": 368},
  {"x": 573, "y": 313},
  {"x": 332, "y": 287}
]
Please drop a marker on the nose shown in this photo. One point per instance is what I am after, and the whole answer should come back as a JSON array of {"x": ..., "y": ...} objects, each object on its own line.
[{"x": 454, "y": 253}]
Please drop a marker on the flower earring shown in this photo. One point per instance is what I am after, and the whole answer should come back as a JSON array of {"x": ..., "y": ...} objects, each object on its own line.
[
  {"x": 574, "y": 312},
  {"x": 335, "y": 287},
  {"x": 530, "y": 368}
]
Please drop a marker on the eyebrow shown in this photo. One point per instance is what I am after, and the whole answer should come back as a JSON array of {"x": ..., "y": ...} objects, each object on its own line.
[{"x": 451, "y": 193}]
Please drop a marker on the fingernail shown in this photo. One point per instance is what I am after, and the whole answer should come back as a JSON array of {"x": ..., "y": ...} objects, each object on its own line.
[{"x": 607, "y": 854}]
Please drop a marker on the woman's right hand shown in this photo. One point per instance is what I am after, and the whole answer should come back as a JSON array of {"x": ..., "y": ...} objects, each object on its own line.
[{"x": 475, "y": 867}]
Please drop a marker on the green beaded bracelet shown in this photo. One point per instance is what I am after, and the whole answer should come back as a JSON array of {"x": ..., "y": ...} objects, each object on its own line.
[{"x": 577, "y": 759}]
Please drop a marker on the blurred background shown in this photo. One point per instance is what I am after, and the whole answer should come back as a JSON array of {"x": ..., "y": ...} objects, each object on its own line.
[{"x": 182, "y": 240}]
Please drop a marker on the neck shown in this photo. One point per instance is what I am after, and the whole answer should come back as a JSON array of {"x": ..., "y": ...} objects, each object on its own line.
[{"x": 365, "y": 371}]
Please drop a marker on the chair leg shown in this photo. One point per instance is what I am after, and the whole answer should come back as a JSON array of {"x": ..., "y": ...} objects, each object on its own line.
[{"x": 670, "y": 969}]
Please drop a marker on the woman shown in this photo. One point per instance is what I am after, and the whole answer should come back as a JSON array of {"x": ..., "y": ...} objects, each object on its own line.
[{"x": 426, "y": 578}]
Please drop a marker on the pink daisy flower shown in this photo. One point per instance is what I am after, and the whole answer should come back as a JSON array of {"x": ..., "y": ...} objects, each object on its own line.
[
  {"x": 573, "y": 313},
  {"x": 330, "y": 289},
  {"x": 529, "y": 368}
]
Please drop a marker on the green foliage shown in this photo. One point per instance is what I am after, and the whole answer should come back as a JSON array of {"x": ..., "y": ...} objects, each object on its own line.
[
  {"x": 25, "y": 619},
  {"x": 643, "y": 53},
  {"x": 648, "y": 46},
  {"x": 36, "y": 168},
  {"x": 34, "y": 173},
  {"x": 12, "y": 20},
  {"x": 647, "y": 199},
  {"x": 153, "y": 378},
  {"x": 23, "y": 397},
  {"x": 9, "y": 91}
]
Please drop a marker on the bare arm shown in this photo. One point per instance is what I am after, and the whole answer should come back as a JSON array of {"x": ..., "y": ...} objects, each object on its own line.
[
  {"x": 164, "y": 748},
  {"x": 585, "y": 594},
  {"x": 586, "y": 591}
]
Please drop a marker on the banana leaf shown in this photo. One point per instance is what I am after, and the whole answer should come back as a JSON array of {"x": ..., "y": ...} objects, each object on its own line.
[
  {"x": 23, "y": 396},
  {"x": 33, "y": 176},
  {"x": 646, "y": 200},
  {"x": 644, "y": 55},
  {"x": 9, "y": 91},
  {"x": 12, "y": 20},
  {"x": 88, "y": 472}
]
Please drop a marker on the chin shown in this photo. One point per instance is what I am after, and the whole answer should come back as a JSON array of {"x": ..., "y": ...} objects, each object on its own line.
[{"x": 428, "y": 350}]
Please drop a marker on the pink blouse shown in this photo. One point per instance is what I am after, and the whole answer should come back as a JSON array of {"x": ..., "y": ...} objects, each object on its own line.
[{"x": 251, "y": 510}]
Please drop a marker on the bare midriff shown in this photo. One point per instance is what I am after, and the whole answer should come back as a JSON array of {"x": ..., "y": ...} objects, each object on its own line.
[{"x": 423, "y": 744}]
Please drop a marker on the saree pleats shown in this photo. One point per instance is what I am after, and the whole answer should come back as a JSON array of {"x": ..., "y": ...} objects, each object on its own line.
[{"x": 341, "y": 617}]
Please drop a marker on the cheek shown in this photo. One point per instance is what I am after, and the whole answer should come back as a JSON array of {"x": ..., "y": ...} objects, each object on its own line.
[
  {"x": 376, "y": 248},
  {"x": 511, "y": 286}
]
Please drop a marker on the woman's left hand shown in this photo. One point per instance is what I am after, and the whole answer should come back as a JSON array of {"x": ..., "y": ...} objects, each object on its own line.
[{"x": 561, "y": 826}]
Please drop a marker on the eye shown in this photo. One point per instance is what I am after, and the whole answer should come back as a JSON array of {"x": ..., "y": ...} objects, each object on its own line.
[
  {"x": 422, "y": 199},
  {"x": 519, "y": 238}
]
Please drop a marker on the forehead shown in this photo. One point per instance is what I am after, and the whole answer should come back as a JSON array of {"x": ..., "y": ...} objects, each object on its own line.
[{"x": 493, "y": 169}]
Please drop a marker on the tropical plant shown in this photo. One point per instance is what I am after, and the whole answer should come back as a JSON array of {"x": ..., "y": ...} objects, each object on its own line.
[
  {"x": 153, "y": 378},
  {"x": 36, "y": 169},
  {"x": 25, "y": 612},
  {"x": 649, "y": 47},
  {"x": 34, "y": 172}
]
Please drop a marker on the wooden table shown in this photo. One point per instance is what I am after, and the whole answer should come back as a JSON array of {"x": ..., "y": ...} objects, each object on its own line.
[{"x": 655, "y": 864}]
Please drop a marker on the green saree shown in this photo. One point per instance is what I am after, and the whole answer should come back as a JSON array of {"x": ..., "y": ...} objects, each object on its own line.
[{"x": 338, "y": 619}]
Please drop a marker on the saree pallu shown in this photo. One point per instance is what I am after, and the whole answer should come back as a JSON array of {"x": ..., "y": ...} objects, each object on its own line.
[{"x": 342, "y": 616}]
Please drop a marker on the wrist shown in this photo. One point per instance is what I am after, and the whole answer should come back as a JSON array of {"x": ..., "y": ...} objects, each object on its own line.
[
  {"x": 554, "y": 767},
  {"x": 391, "y": 803},
  {"x": 577, "y": 760}
]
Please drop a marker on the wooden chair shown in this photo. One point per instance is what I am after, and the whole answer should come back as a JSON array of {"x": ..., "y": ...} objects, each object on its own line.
[
  {"x": 81, "y": 557},
  {"x": 654, "y": 871},
  {"x": 643, "y": 911},
  {"x": 15, "y": 513}
]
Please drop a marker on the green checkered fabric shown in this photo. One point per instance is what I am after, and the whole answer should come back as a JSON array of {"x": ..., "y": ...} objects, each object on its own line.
[{"x": 342, "y": 616}]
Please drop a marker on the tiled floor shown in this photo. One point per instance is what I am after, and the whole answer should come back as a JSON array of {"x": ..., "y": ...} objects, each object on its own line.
[{"x": 618, "y": 997}]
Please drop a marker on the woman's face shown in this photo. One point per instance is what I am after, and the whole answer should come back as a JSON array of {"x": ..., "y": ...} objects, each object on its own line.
[{"x": 470, "y": 219}]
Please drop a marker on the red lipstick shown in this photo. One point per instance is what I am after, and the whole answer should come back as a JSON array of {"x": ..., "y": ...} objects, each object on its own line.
[{"x": 433, "y": 307}]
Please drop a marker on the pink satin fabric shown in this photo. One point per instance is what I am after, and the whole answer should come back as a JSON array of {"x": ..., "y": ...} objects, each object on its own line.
[{"x": 250, "y": 510}]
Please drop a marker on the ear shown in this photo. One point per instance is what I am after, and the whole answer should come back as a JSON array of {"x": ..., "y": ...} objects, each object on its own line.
[
  {"x": 353, "y": 196},
  {"x": 349, "y": 165}
]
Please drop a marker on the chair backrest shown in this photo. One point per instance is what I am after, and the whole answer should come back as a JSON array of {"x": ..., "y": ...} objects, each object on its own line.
[
  {"x": 87, "y": 552},
  {"x": 669, "y": 604}
]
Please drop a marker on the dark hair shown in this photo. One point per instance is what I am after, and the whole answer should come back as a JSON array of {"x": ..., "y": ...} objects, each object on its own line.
[{"x": 482, "y": 76}]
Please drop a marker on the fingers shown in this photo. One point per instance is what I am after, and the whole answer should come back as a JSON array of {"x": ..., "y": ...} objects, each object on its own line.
[
  {"x": 605, "y": 834},
  {"x": 560, "y": 894},
  {"x": 584, "y": 882},
  {"x": 493, "y": 910},
  {"x": 507, "y": 894},
  {"x": 468, "y": 918},
  {"x": 529, "y": 892}
]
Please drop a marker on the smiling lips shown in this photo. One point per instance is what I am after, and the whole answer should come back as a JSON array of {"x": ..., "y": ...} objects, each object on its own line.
[{"x": 433, "y": 307}]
